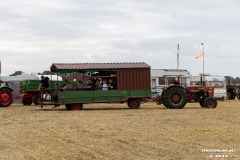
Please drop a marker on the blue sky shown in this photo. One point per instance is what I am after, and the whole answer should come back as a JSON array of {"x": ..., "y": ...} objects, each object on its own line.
[{"x": 34, "y": 34}]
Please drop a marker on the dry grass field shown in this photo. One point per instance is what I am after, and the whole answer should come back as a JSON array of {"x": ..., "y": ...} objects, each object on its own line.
[{"x": 112, "y": 131}]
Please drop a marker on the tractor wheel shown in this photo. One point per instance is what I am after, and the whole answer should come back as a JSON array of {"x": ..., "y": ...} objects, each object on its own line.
[
  {"x": 75, "y": 106},
  {"x": 5, "y": 97},
  {"x": 228, "y": 96},
  {"x": 133, "y": 103},
  {"x": 210, "y": 102},
  {"x": 68, "y": 107},
  {"x": 166, "y": 105},
  {"x": 175, "y": 98},
  {"x": 233, "y": 97},
  {"x": 37, "y": 99},
  {"x": 27, "y": 100},
  {"x": 201, "y": 102}
]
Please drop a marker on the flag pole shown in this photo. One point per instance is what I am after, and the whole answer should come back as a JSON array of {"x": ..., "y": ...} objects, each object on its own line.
[
  {"x": 178, "y": 57},
  {"x": 203, "y": 63}
]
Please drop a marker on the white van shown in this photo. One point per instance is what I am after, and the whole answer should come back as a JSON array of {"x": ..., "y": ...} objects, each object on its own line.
[{"x": 218, "y": 82}]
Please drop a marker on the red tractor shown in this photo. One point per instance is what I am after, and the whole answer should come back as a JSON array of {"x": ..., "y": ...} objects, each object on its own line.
[
  {"x": 176, "y": 96},
  {"x": 5, "y": 94}
]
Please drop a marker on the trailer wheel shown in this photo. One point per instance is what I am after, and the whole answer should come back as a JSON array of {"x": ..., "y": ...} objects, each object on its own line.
[
  {"x": 27, "y": 100},
  {"x": 74, "y": 106},
  {"x": 5, "y": 97},
  {"x": 210, "y": 102},
  {"x": 175, "y": 98},
  {"x": 134, "y": 103},
  {"x": 37, "y": 99}
]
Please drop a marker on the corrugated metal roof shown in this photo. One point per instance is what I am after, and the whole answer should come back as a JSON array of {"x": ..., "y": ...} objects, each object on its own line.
[{"x": 83, "y": 66}]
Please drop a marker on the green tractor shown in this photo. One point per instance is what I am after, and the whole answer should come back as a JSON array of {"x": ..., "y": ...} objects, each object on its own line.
[{"x": 6, "y": 97}]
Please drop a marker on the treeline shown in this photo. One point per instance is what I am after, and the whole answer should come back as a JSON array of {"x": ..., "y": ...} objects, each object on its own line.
[{"x": 236, "y": 81}]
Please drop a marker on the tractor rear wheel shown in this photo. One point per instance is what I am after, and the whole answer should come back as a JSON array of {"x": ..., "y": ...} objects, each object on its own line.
[
  {"x": 5, "y": 97},
  {"x": 175, "y": 98},
  {"x": 37, "y": 99},
  {"x": 134, "y": 103},
  {"x": 27, "y": 100},
  {"x": 210, "y": 102}
]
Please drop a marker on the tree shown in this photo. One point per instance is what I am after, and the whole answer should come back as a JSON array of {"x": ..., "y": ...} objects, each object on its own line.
[
  {"x": 46, "y": 72},
  {"x": 16, "y": 73}
]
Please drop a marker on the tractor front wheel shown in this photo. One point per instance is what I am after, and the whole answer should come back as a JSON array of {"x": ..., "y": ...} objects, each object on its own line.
[
  {"x": 210, "y": 102},
  {"x": 201, "y": 102},
  {"x": 5, "y": 97}
]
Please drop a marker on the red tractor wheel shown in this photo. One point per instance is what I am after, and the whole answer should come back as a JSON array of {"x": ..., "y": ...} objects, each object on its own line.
[
  {"x": 5, "y": 97},
  {"x": 134, "y": 103},
  {"x": 37, "y": 99},
  {"x": 210, "y": 102},
  {"x": 27, "y": 100},
  {"x": 175, "y": 98}
]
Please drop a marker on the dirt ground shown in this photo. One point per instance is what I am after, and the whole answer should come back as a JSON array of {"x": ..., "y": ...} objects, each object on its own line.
[{"x": 112, "y": 131}]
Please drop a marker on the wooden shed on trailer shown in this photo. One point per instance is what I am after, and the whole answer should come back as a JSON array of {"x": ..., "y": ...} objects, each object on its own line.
[{"x": 127, "y": 76}]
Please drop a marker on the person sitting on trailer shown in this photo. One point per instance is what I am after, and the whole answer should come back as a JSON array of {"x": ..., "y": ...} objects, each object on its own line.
[
  {"x": 80, "y": 85},
  {"x": 111, "y": 85},
  {"x": 104, "y": 86},
  {"x": 91, "y": 85},
  {"x": 68, "y": 86},
  {"x": 98, "y": 84}
]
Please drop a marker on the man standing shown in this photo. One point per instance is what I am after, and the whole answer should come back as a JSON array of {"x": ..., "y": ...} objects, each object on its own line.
[{"x": 43, "y": 86}]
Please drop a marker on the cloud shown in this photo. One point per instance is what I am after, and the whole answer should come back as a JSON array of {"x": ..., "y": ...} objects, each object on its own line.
[{"x": 35, "y": 34}]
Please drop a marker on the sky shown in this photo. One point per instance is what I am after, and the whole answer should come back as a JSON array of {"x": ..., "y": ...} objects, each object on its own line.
[{"x": 34, "y": 34}]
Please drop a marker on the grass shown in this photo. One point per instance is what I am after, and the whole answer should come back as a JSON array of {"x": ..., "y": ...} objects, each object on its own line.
[{"x": 112, "y": 131}]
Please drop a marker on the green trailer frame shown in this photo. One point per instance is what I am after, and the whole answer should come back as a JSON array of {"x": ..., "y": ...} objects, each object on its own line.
[{"x": 100, "y": 96}]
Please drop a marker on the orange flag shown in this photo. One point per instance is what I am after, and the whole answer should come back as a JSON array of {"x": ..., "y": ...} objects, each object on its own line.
[{"x": 199, "y": 55}]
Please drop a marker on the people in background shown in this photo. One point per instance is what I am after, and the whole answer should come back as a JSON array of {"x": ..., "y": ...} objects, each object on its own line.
[
  {"x": 68, "y": 86},
  {"x": 98, "y": 84},
  {"x": 56, "y": 89},
  {"x": 111, "y": 85},
  {"x": 79, "y": 84},
  {"x": 104, "y": 86},
  {"x": 91, "y": 84}
]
